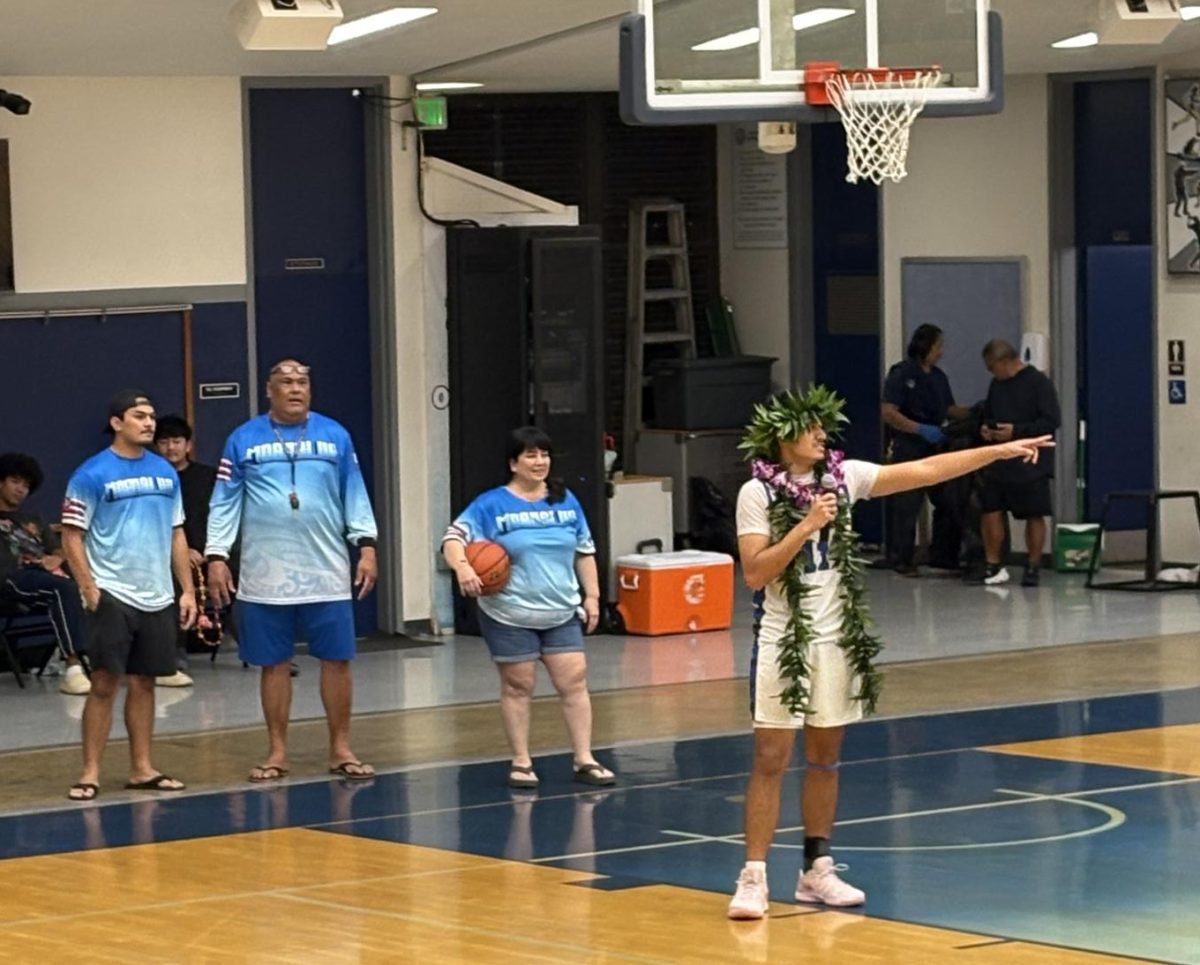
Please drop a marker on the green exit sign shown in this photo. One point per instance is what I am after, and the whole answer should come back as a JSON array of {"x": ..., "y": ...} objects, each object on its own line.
[{"x": 431, "y": 113}]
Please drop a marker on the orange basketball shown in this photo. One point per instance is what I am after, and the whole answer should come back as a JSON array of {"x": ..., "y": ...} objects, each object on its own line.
[{"x": 490, "y": 561}]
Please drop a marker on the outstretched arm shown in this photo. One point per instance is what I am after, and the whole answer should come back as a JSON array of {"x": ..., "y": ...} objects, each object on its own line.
[{"x": 903, "y": 476}]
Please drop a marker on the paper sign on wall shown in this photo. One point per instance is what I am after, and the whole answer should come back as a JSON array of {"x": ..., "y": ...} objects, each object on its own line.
[{"x": 760, "y": 208}]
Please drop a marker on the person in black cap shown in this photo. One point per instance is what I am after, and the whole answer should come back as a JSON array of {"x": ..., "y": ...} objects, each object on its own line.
[{"x": 123, "y": 535}]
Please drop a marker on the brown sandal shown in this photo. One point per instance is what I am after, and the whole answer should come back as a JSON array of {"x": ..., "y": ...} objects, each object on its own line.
[
  {"x": 529, "y": 781},
  {"x": 595, "y": 774}
]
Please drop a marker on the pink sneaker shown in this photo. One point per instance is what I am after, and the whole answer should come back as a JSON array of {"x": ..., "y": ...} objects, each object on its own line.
[
  {"x": 822, "y": 886},
  {"x": 750, "y": 901}
]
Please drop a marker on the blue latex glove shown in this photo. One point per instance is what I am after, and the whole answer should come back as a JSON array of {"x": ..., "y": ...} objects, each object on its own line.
[{"x": 931, "y": 434}]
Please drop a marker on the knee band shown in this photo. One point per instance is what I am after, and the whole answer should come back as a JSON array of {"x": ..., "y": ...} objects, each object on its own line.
[{"x": 827, "y": 768}]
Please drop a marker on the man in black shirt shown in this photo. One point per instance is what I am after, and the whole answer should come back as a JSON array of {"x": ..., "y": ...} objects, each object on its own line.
[
  {"x": 32, "y": 568},
  {"x": 173, "y": 441},
  {"x": 916, "y": 402},
  {"x": 1021, "y": 404}
]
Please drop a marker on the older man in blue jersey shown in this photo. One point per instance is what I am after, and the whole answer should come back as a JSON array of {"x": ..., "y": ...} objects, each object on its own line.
[{"x": 289, "y": 481}]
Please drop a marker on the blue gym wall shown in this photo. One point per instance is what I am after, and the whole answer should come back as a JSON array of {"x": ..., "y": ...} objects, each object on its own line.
[{"x": 60, "y": 372}]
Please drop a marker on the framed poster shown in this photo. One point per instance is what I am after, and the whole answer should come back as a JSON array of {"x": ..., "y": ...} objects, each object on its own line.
[{"x": 1183, "y": 174}]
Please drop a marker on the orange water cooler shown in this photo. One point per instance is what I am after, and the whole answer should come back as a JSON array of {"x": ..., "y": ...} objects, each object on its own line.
[{"x": 684, "y": 592}]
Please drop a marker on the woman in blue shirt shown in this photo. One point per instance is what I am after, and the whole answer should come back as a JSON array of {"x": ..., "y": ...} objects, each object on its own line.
[{"x": 553, "y": 589}]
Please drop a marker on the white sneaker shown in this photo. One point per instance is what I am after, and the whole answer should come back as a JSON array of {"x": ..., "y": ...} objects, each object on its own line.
[
  {"x": 177, "y": 679},
  {"x": 996, "y": 577},
  {"x": 75, "y": 682},
  {"x": 751, "y": 900},
  {"x": 822, "y": 886}
]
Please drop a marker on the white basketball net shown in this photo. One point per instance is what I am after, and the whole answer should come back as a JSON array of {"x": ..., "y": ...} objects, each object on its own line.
[{"x": 878, "y": 113}]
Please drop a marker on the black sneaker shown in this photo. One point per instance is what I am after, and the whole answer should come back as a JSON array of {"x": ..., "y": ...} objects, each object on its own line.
[{"x": 1031, "y": 577}]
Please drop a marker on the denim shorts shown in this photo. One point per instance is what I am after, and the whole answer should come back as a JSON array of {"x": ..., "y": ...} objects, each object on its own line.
[{"x": 509, "y": 644}]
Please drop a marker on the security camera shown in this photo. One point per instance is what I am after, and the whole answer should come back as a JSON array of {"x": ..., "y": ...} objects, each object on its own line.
[{"x": 14, "y": 102}]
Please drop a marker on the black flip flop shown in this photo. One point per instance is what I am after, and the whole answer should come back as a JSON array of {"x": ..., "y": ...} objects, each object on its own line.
[
  {"x": 156, "y": 783},
  {"x": 267, "y": 772},
  {"x": 343, "y": 771},
  {"x": 90, "y": 792}
]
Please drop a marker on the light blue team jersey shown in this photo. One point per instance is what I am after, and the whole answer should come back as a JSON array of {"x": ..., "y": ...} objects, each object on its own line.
[
  {"x": 128, "y": 510},
  {"x": 290, "y": 555},
  {"x": 542, "y": 540}
]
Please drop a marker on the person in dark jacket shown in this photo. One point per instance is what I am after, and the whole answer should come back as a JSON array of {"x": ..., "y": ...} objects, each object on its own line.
[
  {"x": 1021, "y": 404},
  {"x": 173, "y": 441},
  {"x": 917, "y": 400},
  {"x": 32, "y": 569}
]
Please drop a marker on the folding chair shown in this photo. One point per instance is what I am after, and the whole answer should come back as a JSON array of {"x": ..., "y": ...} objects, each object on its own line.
[{"x": 20, "y": 623}]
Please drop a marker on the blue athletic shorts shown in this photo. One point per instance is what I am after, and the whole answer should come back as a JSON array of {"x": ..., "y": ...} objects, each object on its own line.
[
  {"x": 509, "y": 644},
  {"x": 267, "y": 632}
]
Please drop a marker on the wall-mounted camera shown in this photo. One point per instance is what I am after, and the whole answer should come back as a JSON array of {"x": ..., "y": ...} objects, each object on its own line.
[{"x": 14, "y": 102}]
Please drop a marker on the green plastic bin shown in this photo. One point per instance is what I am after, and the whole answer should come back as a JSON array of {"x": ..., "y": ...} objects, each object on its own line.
[{"x": 1073, "y": 546}]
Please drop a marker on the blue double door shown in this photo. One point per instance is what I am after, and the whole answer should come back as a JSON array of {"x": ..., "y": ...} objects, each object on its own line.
[{"x": 311, "y": 248}]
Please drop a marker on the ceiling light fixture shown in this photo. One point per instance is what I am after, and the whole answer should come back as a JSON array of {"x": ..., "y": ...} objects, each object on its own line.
[
  {"x": 1089, "y": 39},
  {"x": 750, "y": 36},
  {"x": 376, "y": 22},
  {"x": 1189, "y": 13},
  {"x": 447, "y": 85}
]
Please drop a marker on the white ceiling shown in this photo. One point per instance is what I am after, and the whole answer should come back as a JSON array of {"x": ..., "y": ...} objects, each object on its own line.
[{"x": 506, "y": 44}]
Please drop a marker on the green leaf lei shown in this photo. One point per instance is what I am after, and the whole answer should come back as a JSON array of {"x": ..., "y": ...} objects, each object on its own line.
[{"x": 786, "y": 417}]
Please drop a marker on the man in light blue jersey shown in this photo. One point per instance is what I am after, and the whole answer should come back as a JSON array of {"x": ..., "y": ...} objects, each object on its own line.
[
  {"x": 289, "y": 481},
  {"x": 122, "y": 536}
]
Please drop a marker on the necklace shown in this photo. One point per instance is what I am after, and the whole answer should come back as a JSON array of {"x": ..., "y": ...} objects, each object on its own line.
[
  {"x": 292, "y": 451},
  {"x": 790, "y": 502}
]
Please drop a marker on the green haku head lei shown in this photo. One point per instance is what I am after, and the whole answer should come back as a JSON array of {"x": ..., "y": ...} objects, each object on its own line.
[{"x": 787, "y": 416}]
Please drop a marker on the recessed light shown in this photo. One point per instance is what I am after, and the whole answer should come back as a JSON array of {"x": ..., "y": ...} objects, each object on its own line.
[
  {"x": 1189, "y": 13},
  {"x": 814, "y": 18},
  {"x": 447, "y": 85},
  {"x": 1089, "y": 39},
  {"x": 743, "y": 38},
  {"x": 384, "y": 20},
  {"x": 750, "y": 36}
]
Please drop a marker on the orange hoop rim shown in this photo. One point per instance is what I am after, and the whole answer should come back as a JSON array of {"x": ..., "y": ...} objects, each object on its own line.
[{"x": 818, "y": 74}]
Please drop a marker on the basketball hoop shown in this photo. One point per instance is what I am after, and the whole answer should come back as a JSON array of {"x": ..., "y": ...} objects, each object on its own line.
[{"x": 878, "y": 106}]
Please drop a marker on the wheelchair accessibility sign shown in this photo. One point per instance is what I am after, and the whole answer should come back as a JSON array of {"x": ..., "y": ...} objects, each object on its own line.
[{"x": 1177, "y": 391}]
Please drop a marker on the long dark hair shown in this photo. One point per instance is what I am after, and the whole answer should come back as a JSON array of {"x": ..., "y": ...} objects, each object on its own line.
[
  {"x": 922, "y": 342},
  {"x": 531, "y": 437}
]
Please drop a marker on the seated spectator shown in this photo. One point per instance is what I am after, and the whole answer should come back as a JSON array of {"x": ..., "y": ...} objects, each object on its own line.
[
  {"x": 173, "y": 441},
  {"x": 31, "y": 567}
]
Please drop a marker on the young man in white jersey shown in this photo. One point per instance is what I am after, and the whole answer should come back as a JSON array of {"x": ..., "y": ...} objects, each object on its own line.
[
  {"x": 122, "y": 537},
  {"x": 289, "y": 483},
  {"x": 813, "y": 663}
]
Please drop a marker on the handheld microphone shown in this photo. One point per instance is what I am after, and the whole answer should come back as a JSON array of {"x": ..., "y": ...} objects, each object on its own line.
[{"x": 829, "y": 485}]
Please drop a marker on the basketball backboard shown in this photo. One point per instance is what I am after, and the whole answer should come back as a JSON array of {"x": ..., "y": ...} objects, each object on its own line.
[{"x": 707, "y": 61}]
